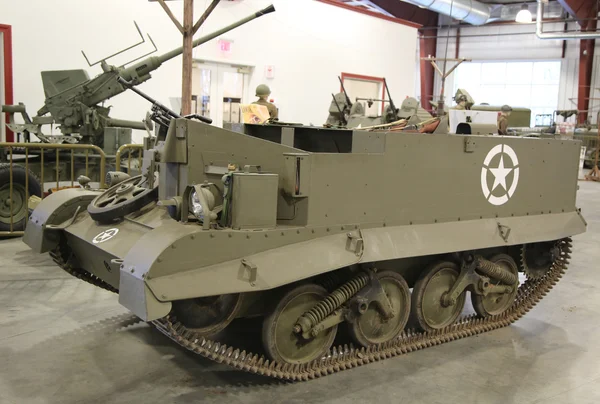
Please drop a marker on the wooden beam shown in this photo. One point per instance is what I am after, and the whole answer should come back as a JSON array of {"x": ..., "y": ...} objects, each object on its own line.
[
  {"x": 408, "y": 12},
  {"x": 427, "y": 47},
  {"x": 205, "y": 15},
  {"x": 580, "y": 9},
  {"x": 186, "y": 85},
  {"x": 171, "y": 16}
]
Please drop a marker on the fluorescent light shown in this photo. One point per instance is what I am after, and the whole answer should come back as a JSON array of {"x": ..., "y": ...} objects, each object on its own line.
[{"x": 524, "y": 15}]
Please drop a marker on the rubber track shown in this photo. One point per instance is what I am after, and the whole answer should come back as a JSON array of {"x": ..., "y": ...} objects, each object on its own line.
[{"x": 346, "y": 356}]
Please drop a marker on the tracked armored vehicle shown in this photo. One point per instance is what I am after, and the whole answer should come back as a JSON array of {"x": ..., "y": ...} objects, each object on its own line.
[{"x": 322, "y": 236}]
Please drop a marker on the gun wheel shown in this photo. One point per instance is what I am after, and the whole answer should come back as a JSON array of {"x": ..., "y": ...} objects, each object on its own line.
[
  {"x": 372, "y": 327},
  {"x": 427, "y": 307},
  {"x": 496, "y": 303},
  {"x": 281, "y": 343},
  {"x": 122, "y": 199}
]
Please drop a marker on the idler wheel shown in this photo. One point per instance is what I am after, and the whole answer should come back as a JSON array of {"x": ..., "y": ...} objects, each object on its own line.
[
  {"x": 207, "y": 315},
  {"x": 428, "y": 308},
  {"x": 537, "y": 258},
  {"x": 371, "y": 327},
  {"x": 122, "y": 199},
  {"x": 496, "y": 303},
  {"x": 279, "y": 339}
]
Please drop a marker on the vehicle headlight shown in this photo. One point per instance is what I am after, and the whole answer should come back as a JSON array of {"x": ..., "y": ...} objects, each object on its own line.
[{"x": 196, "y": 206}]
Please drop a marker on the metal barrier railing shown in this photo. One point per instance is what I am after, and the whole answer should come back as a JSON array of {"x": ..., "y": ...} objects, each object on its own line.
[
  {"x": 129, "y": 146},
  {"x": 9, "y": 149}
]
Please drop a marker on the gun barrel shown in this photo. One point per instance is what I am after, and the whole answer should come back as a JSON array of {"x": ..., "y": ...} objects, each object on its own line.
[
  {"x": 121, "y": 123},
  {"x": 141, "y": 70},
  {"x": 213, "y": 35}
]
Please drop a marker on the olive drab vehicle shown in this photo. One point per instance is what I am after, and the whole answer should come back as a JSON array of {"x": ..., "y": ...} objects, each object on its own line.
[{"x": 318, "y": 230}]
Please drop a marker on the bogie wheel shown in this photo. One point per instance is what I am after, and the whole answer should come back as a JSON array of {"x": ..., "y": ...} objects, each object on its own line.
[
  {"x": 122, "y": 199},
  {"x": 427, "y": 306},
  {"x": 280, "y": 342},
  {"x": 496, "y": 303},
  {"x": 17, "y": 205},
  {"x": 371, "y": 327},
  {"x": 207, "y": 315}
]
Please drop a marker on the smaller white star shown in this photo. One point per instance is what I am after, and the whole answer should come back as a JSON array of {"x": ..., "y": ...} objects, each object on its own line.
[{"x": 500, "y": 174}]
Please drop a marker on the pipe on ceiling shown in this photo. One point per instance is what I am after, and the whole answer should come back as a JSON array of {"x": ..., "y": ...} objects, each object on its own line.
[
  {"x": 469, "y": 11},
  {"x": 562, "y": 36}
]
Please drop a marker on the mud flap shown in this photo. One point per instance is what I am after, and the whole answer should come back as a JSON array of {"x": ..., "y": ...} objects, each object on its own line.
[
  {"x": 57, "y": 208},
  {"x": 135, "y": 295}
]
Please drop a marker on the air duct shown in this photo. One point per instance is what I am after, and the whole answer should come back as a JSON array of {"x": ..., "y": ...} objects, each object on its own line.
[
  {"x": 469, "y": 11},
  {"x": 558, "y": 35}
]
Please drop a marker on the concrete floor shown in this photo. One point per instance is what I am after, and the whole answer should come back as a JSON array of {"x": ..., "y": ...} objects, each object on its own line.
[{"x": 63, "y": 341}]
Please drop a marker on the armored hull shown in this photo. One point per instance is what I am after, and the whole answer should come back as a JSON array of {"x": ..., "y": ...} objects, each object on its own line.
[{"x": 314, "y": 230}]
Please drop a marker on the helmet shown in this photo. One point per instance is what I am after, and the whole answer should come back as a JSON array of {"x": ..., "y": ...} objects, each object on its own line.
[
  {"x": 461, "y": 98},
  {"x": 506, "y": 108},
  {"x": 263, "y": 90}
]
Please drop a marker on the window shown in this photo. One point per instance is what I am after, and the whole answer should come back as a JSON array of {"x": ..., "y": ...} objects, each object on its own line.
[
  {"x": 365, "y": 87},
  {"x": 532, "y": 85}
]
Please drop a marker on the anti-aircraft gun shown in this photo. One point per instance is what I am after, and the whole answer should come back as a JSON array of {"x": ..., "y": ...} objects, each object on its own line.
[{"x": 74, "y": 101}]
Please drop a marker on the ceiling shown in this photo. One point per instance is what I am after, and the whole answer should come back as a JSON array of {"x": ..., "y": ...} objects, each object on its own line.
[{"x": 579, "y": 9}]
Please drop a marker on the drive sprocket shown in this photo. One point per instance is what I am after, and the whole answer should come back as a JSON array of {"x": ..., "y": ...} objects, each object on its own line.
[{"x": 538, "y": 258}]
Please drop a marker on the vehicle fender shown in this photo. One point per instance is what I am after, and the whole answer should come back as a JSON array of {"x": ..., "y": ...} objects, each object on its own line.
[
  {"x": 253, "y": 270},
  {"x": 54, "y": 210}
]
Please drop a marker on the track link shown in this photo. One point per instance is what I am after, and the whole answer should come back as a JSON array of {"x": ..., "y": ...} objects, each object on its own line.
[
  {"x": 347, "y": 356},
  {"x": 61, "y": 255}
]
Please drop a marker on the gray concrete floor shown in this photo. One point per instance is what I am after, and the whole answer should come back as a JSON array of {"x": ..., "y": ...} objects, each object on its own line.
[{"x": 63, "y": 341}]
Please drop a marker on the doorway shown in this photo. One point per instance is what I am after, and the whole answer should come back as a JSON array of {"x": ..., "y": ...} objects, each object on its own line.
[
  {"x": 218, "y": 90},
  {"x": 365, "y": 87}
]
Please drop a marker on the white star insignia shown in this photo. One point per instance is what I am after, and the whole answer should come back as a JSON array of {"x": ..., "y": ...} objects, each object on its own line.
[{"x": 500, "y": 174}]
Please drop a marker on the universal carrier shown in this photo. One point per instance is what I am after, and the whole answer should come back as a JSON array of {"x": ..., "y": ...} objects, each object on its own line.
[{"x": 308, "y": 232}]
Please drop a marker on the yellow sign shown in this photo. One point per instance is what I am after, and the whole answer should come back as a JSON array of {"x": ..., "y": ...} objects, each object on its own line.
[{"x": 254, "y": 113}]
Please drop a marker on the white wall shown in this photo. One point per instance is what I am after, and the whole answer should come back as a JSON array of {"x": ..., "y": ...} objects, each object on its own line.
[
  {"x": 308, "y": 42},
  {"x": 522, "y": 47}
]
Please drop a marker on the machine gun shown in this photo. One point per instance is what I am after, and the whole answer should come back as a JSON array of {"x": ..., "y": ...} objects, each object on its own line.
[
  {"x": 391, "y": 116},
  {"x": 73, "y": 100},
  {"x": 160, "y": 113},
  {"x": 343, "y": 119},
  {"x": 345, "y": 93}
]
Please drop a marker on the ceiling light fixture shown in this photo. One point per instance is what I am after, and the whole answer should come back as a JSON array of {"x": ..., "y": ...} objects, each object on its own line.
[{"x": 524, "y": 15}]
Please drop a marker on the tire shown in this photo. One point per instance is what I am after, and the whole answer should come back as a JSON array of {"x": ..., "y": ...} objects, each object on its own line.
[
  {"x": 368, "y": 328},
  {"x": 277, "y": 327},
  {"x": 20, "y": 211},
  {"x": 491, "y": 305},
  {"x": 447, "y": 315}
]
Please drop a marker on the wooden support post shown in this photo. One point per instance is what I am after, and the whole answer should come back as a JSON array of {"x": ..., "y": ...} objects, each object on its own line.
[
  {"x": 188, "y": 29},
  {"x": 188, "y": 33},
  {"x": 427, "y": 47}
]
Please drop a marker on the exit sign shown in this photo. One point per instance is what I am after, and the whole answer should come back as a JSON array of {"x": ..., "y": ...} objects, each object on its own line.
[{"x": 225, "y": 45}]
